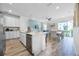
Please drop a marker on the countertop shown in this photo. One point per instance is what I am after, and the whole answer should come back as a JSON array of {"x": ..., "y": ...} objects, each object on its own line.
[{"x": 37, "y": 33}]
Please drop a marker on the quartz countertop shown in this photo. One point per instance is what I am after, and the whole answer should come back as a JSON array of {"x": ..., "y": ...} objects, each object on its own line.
[{"x": 35, "y": 33}]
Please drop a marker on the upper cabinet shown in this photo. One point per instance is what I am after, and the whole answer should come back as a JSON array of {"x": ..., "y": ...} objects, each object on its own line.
[
  {"x": 11, "y": 21},
  {"x": 2, "y": 20}
]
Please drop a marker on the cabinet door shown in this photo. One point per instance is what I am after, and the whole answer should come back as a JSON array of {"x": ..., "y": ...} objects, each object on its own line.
[
  {"x": 23, "y": 38},
  {"x": 2, "y": 20},
  {"x": 7, "y": 35},
  {"x": 36, "y": 44},
  {"x": 11, "y": 21},
  {"x": 17, "y": 33}
]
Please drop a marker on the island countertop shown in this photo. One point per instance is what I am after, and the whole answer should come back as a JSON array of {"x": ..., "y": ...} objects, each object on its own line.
[{"x": 35, "y": 33}]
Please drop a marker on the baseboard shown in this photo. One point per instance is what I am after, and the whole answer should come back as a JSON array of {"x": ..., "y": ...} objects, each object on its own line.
[{"x": 13, "y": 38}]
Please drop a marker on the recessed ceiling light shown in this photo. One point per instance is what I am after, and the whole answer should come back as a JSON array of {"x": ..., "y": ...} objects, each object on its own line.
[
  {"x": 57, "y": 7},
  {"x": 10, "y": 3},
  {"x": 10, "y": 10}
]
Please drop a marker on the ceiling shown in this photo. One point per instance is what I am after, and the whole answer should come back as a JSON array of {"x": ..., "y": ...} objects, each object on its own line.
[{"x": 39, "y": 10}]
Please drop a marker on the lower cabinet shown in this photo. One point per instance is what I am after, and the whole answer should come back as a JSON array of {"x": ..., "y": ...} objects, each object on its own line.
[
  {"x": 23, "y": 38},
  {"x": 12, "y": 34},
  {"x": 35, "y": 43}
]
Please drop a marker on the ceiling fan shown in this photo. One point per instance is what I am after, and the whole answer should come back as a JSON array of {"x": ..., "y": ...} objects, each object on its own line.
[{"x": 49, "y": 18}]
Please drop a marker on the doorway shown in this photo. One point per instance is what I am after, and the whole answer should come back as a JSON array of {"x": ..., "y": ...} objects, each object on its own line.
[{"x": 67, "y": 28}]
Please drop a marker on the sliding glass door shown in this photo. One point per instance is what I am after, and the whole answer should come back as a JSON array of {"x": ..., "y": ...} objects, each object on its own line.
[{"x": 66, "y": 27}]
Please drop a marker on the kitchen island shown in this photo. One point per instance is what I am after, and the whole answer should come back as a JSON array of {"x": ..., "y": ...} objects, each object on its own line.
[{"x": 35, "y": 42}]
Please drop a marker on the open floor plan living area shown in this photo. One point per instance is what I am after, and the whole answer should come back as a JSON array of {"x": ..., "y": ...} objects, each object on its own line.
[{"x": 39, "y": 29}]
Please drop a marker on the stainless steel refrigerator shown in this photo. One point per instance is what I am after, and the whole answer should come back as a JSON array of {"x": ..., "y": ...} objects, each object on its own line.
[{"x": 2, "y": 41}]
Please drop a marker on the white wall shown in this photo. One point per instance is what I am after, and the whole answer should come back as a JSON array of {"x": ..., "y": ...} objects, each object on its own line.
[{"x": 23, "y": 23}]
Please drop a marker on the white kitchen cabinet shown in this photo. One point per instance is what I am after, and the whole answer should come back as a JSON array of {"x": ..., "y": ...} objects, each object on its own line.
[
  {"x": 12, "y": 34},
  {"x": 23, "y": 38},
  {"x": 11, "y": 21},
  {"x": 18, "y": 34},
  {"x": 7, "y": 35},
  {"x": 2, "y": 20}
]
